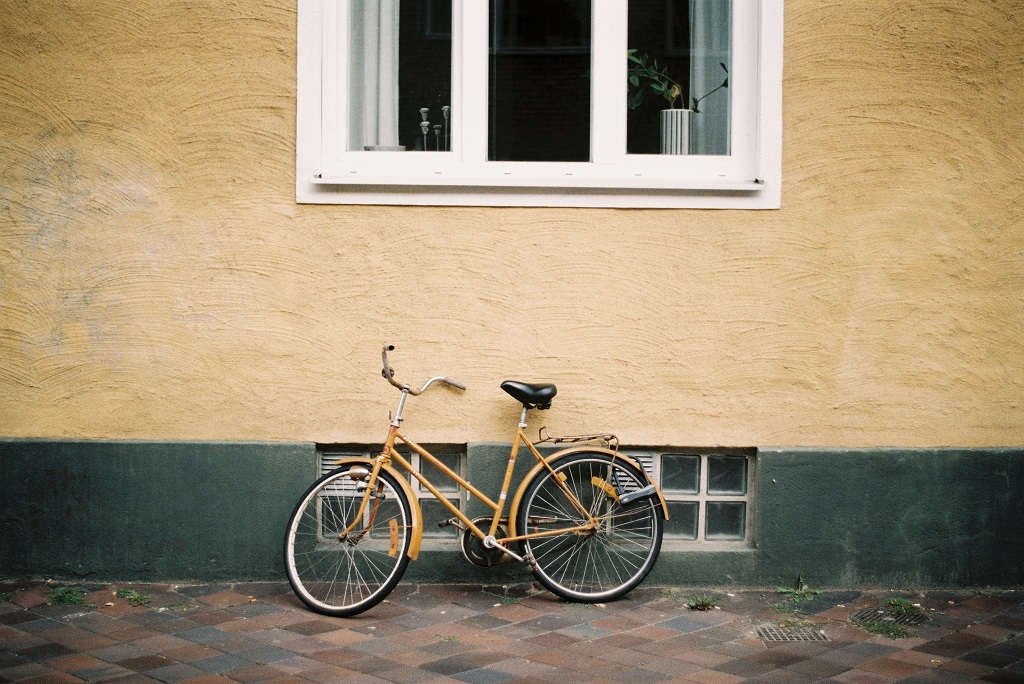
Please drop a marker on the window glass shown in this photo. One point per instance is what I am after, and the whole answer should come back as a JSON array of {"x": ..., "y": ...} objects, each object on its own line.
[
  {"x": 679, "y": 62},
  {"x": 436, "y": 476},
  {"x": 435, "y": 512},
  {"x": 727, "y": 475},
  {"x": 539, "y": 80},
  {"x": 400, "y": 75},
  {"x": 680, "y": 473},
  {"x": 682, "y": 520},
  {"x": 726, "y": 520}
]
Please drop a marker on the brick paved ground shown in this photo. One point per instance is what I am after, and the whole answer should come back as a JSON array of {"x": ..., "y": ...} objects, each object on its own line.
[{"x": 213, "y": 634}]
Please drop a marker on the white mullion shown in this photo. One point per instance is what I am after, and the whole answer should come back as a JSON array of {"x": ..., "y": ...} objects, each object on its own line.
[
  {"x": 608, "y": 81},
  {"x": 335, "y": 81},
  {"x": 702, "y": 497},
  {"x": 472, "y": 37}
]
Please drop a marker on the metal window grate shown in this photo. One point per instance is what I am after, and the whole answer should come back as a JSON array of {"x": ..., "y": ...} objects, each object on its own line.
[
  {"x": 773, "y": 633},
  {"x": 880, "y": 615}
]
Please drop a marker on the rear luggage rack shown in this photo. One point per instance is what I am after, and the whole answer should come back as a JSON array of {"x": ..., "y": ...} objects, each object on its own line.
[{"x": 609, "y": 441}]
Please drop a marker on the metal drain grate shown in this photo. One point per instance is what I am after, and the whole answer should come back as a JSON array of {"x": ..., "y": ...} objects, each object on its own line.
[
  {"x": 880, "y": 615},
  {"x": 772, "y": 633}
]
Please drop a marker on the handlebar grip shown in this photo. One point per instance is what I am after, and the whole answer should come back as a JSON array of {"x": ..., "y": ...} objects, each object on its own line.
[{"x": 455, "y": 383}]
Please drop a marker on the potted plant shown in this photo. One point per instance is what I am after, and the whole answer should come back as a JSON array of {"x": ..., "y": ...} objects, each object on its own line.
[{"x": 675, "y": 122}]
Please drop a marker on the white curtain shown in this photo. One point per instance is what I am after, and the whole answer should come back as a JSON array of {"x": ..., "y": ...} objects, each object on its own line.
[
  {"x": 373, "y": 77},
  {"x": 710, "y": 22}
]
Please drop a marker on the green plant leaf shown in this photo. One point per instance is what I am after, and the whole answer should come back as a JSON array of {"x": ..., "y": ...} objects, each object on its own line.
[{"x": 636, "y": 99}]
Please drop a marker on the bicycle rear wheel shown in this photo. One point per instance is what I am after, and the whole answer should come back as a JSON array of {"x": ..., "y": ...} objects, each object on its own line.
[
  {"x": 601, "y": 564},
  {"x": 346, "y": 576}
]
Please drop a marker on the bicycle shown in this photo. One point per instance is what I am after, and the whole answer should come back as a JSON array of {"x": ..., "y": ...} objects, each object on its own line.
[{"x": 587, "y": 520}]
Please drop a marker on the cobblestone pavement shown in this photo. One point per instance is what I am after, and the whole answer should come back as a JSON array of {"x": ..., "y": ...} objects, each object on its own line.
[{"x": 210, "y": 634}]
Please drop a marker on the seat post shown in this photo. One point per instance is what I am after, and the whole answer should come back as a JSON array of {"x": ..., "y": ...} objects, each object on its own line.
[{"x": 522, "y": 417}]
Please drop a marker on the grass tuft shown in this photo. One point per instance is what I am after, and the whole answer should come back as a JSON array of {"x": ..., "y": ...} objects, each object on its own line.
[
  {"x": 902, "y": 606},
  {"x": 703, "y": 602},
  {"x": 887, "y": 629},
  {"x": 135, "y": 598},
  {"x": 67, "y": 596}
]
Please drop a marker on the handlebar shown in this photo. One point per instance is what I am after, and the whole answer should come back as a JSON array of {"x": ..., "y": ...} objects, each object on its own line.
[{"x": 389, "y": 374}]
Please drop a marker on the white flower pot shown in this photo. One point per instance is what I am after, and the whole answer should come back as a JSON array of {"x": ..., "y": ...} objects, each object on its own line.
[{"x": 675, "y": 131}]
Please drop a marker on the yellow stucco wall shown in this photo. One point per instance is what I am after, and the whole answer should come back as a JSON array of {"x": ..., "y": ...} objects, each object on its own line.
[{"x": 158, "y": 280}]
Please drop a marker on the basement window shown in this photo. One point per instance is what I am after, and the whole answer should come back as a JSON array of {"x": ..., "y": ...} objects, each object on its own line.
[
  {"x": 708, "y": 494},
  {"x": 451, "y": 455}
]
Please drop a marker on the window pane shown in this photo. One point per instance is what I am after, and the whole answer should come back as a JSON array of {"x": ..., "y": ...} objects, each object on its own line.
[
  {"x": 539, "y": 87},
  {"x": 727, "y": 475},
  {"x": 684, "y": 53},
  {"x": 726, "y": 520},
  {"x": 682, "y": 520},
  {"x": 435, "y": 512},
  {"x": 680, "y": 473},
  {"x": 400, "y": 75},
  {"x": 435, "y": 475}
]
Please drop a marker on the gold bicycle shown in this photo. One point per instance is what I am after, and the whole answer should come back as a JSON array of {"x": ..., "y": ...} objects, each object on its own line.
[{"x": 587, "y": 520}]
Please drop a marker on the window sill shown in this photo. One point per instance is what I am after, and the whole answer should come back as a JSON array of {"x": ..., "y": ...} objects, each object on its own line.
[
  {"x": 569, "y": 181},
  {"x": 688, "y": 546},
  {"x": 523, "y": 191}
]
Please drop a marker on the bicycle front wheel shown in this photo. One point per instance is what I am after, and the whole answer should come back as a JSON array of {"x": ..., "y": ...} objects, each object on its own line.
[
  {"x": 610, "y": 558},
  {"x": 341, "y": 574}
]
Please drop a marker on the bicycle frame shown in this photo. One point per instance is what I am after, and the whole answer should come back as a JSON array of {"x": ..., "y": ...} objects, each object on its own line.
[{"x": 389, "y": 454}]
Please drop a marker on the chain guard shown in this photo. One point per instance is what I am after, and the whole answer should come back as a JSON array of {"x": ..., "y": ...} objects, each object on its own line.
[{"x": 473, "y": 547}]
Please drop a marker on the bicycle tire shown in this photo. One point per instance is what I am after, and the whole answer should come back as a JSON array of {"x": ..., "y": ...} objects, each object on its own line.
[
  {"x": 604, "y": 564},
  {"x": 339, "y": 577}
]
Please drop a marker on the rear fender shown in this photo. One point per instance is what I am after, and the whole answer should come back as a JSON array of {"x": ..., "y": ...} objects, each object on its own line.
[{"x": 513, "y": 514}]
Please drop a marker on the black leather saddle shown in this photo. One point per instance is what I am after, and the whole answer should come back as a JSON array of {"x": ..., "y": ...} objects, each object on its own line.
[{"x": 530, "y": 394}]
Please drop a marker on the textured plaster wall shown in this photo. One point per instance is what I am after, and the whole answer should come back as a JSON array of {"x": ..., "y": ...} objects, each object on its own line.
[{"x": 158, "y": 280}]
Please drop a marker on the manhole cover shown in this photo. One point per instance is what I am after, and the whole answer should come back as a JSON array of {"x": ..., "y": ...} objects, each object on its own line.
[
  {"x": 772, "y": 633},
  {"x": 880, "y": 615}
]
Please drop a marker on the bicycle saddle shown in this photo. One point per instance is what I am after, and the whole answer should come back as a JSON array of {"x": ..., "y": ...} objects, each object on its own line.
[{"x": 533, "y": 395}]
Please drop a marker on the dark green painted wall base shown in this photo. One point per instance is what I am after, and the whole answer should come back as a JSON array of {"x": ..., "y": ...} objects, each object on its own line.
[{"x": 150, "y": 511}]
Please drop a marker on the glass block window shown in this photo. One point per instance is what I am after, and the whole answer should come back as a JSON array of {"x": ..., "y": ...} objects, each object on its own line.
[
  {"x": 451, "y": 455},
  {"x": 708, "y": 495}
]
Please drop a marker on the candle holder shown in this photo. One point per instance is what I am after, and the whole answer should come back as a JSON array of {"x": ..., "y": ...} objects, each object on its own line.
[
  {"x": 424, "y": 126},
  {"x": 446, "y": 111}
]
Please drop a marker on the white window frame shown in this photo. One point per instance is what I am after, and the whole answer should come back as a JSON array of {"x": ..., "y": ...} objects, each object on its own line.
[{"x": 749, "y": 178}]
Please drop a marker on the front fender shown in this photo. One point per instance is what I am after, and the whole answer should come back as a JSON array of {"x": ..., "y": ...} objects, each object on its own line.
[
  {"x": 513, "y": 513},
  {"x": 410, "y": 495}
]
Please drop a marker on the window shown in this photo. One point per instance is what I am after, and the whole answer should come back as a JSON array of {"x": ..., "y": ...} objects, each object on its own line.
[
  {"x": 534, "y": 102},
  {"x": 434, "y": 512},
  {"x": 708, "y": 495}
]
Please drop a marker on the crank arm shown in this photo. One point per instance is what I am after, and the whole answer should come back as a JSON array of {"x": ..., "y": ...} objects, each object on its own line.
[{"x": 491, "y": 543}]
